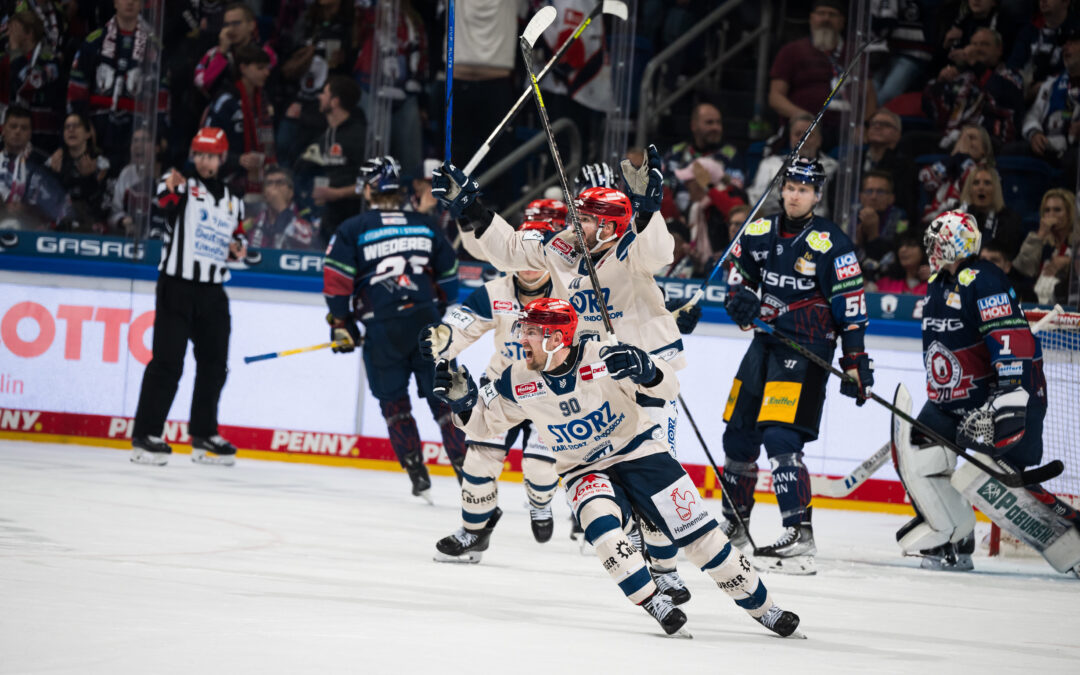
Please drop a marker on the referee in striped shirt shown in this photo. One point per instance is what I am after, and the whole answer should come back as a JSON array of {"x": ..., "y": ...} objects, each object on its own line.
[{"x": 202, "y": 231}]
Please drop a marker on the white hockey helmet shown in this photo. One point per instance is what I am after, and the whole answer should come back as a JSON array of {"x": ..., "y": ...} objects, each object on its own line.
[{"x": 954, "y": 235}]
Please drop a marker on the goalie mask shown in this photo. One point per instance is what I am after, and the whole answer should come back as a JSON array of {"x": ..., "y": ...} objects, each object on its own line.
[
  {"x": 953, "y": 236},
  {"x": 548, "y": 315},
  {"x": 607, "y": 206},
  {"x": 545, "y": 214}
]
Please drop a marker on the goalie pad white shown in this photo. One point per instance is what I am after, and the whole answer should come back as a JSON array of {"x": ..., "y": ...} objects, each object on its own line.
[
  {"x": 1019, "y": 513},
  {"x": 947, "y": 516}
]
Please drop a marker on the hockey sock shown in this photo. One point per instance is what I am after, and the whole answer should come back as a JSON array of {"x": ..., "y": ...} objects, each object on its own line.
[
  {"x": 791, "y": 480},
  {"x": 739, "y": 480},
  {"x": 479, "y": 485},
  {"x": 540, "y": 481},
  {"x": 661, "y": 549},
  {"x": 453, "y": 438},
  {"x": 601, "y": 518},
  {"x": 731, "y": 571},
  {"x": 1059, "y": 507},
  {"x": 404, "y": 437}
]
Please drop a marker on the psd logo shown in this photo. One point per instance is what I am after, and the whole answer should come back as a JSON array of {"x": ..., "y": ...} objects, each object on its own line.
[
  {"x": 847, "y": 266},
  {"x": 994, "y": 307}
]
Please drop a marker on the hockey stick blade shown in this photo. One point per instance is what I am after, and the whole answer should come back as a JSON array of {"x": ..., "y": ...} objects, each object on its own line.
[
  {"x": 838, "y": 488},
  {"x": 1040, "y": 474},
  {"x": 539, "y": 23},
  {"x": 615, "y": 8}
]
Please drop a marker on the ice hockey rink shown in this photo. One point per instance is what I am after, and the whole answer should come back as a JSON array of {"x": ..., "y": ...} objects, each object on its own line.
[{"x": 270, "y": 567}]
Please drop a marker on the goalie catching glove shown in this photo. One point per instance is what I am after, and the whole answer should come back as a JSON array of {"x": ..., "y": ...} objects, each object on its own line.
[
  {"x": 453, "y": 189},
  {"x": 861, "y": 368},
  {"x": 345, "y": 332},
  {"x": 454, "y": 387},
  {"x": 997, "y": 425},
  {"x": 625, "y": 360},
  {"x": 644, "y": 185},
  {"x": 434, "y": 339}
]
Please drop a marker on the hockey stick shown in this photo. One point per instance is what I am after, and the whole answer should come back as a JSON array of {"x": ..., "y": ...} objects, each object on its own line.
[
  {"x": 777, "y": 179},
  {"x": 290, "y": 352},
  {"x": 838, "y": 488},
  {"x": 449, "y": 76},
  {"x": 1020, "y": 479},
  {"x": 724, "y": 496},
  {"x": 612, "y": 7},
  {"x": 540, "y": 21}
]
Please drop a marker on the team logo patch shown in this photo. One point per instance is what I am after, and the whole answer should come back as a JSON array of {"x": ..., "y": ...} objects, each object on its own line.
[
  {"x": 593, "y": 371},
  {"x": 945, "y": 376},
  {"x": 966, "y": 277},
  {"x": 528, "y": 390},
  {"x": 994, "y": 307},
  {"x": 819, "y": 241},
  {"x": 953, "y": 300},
  {"x": 532, "y": 235},
  {"x": 847, "y": 266},
  {"x": 759, "y": 226},
  {"x": 681, "y": 507}
]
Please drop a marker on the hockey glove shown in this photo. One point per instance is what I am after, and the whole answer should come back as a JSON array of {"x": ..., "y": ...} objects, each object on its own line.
[
  {"x": 345, "y": 332},
  {"x": 453, "y": 189},
  {"x": 686, "y": 315},
  {"x": 434, "y": 339},
  {"x": 861, "y": 367},
  {"x": 998, "y": 424},
  {"x": 454, "y": 387},
  {"x": 644, "y": 185},
  {"x": 743, "y": 307},
  {"x": 625, "y": 360}
]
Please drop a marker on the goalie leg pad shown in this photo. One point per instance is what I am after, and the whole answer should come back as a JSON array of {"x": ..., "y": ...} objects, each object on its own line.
[
  {"x": 731, "y": 571},
  {"x": 541, "y": 480},
  {"x": 602, "y": 519},
  {"x": 1023, "y": 515},
  {"x": 479, "y": 485}
]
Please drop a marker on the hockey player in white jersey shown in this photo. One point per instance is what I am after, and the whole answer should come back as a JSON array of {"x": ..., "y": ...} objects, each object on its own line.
[
  {"x": 583, "y": 397},
  {"x": 494, "y": 308}
]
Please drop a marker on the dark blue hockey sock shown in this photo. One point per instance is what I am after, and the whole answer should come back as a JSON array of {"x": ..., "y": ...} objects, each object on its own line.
[
  {"x": 404, "y": 437},
  {"x": 738, "y": 481},
  {"x": 453, "y": 438}
]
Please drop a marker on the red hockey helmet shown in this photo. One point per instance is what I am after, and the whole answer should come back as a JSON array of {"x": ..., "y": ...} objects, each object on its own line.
[
  {"x": 551, "y": 314},
  {"x": 606, "y": 205},
  {"x": 547, "y": 210},
  {"x": 210, "y": 140},
  {"x": 537, "y": 225}
]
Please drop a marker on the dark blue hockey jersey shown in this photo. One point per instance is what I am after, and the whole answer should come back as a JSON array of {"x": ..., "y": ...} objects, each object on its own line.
[
  {"x": 394, "y": 262},
  {"x": 975, "y": 337},
  {"x": 811, "y": 283}
]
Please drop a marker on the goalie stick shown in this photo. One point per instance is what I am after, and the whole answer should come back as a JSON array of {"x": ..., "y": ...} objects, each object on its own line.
[{"x": 838, "y": 488}]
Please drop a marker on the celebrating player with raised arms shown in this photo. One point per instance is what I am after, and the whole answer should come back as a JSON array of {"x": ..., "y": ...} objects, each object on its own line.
[
  {"x": 811, "y": 288},
  {"x": 583, "y": 398},
  {"x": 986, "y": 388}
]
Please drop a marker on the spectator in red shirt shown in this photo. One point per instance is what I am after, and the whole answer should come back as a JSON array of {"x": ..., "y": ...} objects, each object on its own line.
[{"x": 909, "y": 272}]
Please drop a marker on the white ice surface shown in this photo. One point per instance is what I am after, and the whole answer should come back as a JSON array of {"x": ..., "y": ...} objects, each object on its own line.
[{"x": 108, "y": 567}]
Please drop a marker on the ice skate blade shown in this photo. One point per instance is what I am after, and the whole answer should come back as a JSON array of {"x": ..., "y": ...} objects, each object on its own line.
[
  {"x": 681, "y": 634},
  {"x": 797, "y": 635},
  {"x": 200, "y": 456},
  {"x": 802, "y": 565},
  {"x": 140, "y": 456},
  {"x": 467, "y": 558},
  {"x": 426, "y": 496}
]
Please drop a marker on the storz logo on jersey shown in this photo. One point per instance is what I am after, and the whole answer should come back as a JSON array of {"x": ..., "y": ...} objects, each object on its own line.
[
  {"x": 788, "y": 281},
  {"x": 585, "y": 301},
  {"x": 597, "y": 424},
  {"x": 847, "y": 266},
  {"x": 528, "y": 390},
  {"x": 994, "y": 307}
]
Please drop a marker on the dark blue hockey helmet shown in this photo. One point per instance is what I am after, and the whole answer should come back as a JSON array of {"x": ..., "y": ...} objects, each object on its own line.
[
  {"x": 806, "y": 170},
  {"x": 595, "y": 175},
  {"x": 383, "y": 174}
]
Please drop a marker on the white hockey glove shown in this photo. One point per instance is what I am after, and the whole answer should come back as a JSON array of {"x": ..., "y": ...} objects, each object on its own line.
[
  {"x": 454, "y": 387},
  {"x": 998, "y": 424},
  {"x": 646, "y": 183},
  {"x": 434, "y": 339}
]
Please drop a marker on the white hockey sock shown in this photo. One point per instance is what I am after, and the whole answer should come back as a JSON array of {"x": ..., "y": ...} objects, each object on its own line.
[
  {"x": 479, "y": 485},
  {"x": 601, "y": 518},
  {"x": 731, "y": 571},
  {"x": 661, "y": 549},
  {"x": 541, "y": 480}
]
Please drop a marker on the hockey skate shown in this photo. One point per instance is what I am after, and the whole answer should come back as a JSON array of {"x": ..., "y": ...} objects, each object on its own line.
[
  {"x": 213, "y": 450},
  {"x": 781, "y": 622},
  {"x": 152, "y": 450},
  {"x": 793, "y": 552},
  {"x": 421, "y": 482},
  {"x": 466, "y": 546},
  {"x": 543, "y": 523},
  {"x": 670, "y": 618},
  {"x": 670, "y": 584},
  {"x": 736, "y": 533},
  {"x": 950, "y": 557},
  {"x": 577, "y": 534}
]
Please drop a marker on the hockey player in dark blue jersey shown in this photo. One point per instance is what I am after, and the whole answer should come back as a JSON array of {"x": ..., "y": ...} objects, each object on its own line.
[
  {"x": 811, "y": 288},
  {"x": 399, "y": 272},
  {"x": 985, "y": 385}
]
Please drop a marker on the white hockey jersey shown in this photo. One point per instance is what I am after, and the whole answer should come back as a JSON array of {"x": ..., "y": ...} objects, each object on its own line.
[
  {"x": 634, "y": 302},
  {"x": 589, "y": 420}
]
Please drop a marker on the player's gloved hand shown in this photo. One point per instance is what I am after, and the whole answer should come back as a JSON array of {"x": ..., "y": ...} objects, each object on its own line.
[
  {"x": 644, "y": 185},
  {"x": 743, "y": 307},
  {"x": 453, "y": 189},
  {"x": 998, "y": 424},
  {"x": 345, "y": 332},
  {"x": 434, "y": 339},
  {"x": 625, "y": 360},
  {"x": 859, "y": 366},
  {"x": 686, "y": 315},
  {"x": 454, "y": 387}
]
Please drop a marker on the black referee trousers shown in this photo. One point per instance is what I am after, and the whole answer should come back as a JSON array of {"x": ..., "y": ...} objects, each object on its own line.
[{"x": 185, "y": 310}]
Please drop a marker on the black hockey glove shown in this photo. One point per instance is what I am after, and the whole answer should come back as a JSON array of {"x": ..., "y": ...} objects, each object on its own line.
[
  {"x": 453, "y": 189},
  {"x": 686, "y": 315},
  {"x": 861, "y": 367},
  {"x": 743, "y": 307},
  {"x": 997, "y": 425},
  {"x": 345, "y": 332},
  {"x": 434, "y": 339},
  {"x": 625, "y": 360},
  {"x": 454, "y": 387},
  {"x": 644, "y": 185}
]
